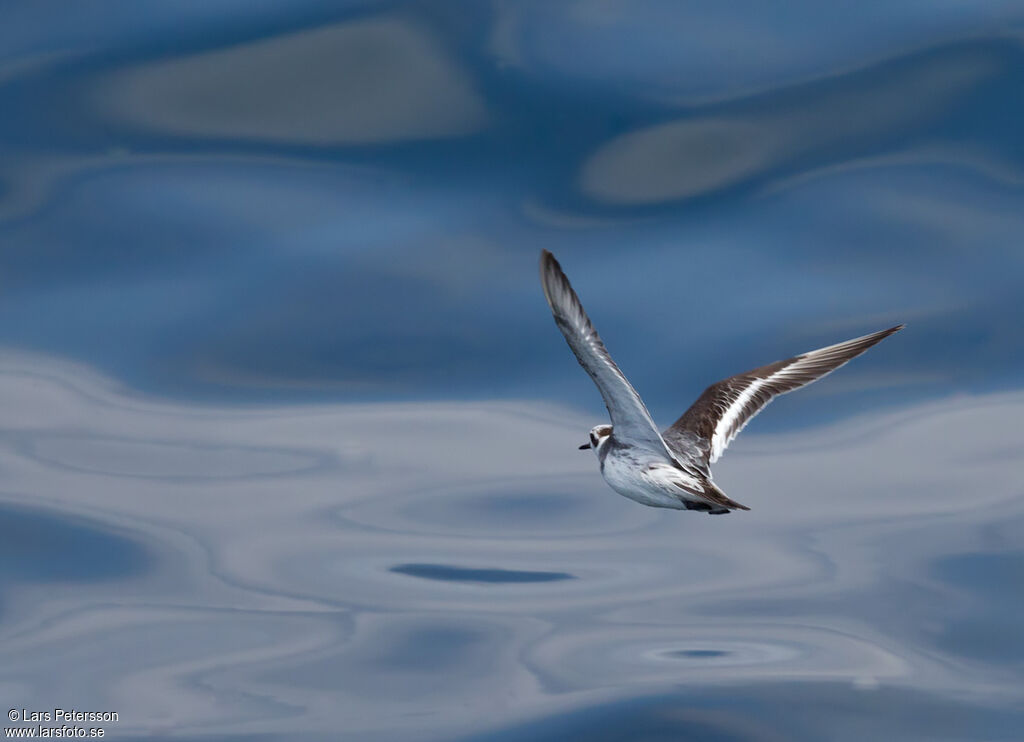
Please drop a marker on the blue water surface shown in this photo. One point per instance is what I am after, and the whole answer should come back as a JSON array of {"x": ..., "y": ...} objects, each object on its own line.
[{"x": 288, "y": 444}]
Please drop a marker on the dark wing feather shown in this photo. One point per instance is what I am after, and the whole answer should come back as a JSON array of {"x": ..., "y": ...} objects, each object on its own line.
[
  {"x": 720, "y": 413},
  {"x": 630, "y": 418}
]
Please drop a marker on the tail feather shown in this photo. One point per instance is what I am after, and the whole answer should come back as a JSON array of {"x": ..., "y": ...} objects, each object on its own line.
[
  {"x": 713, "y": 501},
  {"x": 716, "y": 496}
]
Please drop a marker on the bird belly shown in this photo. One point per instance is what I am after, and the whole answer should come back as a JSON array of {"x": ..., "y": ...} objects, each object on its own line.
[{"x": 627, "y": 475}]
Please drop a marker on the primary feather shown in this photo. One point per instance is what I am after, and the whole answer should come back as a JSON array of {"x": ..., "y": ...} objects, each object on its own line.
[
  {"x": 724, "y": 409},
  {"x": 629, "y": 415}
]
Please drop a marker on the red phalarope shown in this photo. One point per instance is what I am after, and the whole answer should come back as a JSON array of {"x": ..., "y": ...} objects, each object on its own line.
[{"x": 671, "y": 469}]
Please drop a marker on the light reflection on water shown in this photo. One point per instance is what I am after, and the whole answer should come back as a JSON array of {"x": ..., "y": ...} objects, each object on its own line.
[
  {"x": 288, "y": 445},
  {"x": 478, "y": 592}
]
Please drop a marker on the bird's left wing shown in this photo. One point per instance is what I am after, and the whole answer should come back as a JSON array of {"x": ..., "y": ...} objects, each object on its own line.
[
  {"x": 721, "y": 412},
  {"x": 630, "y": 418}
]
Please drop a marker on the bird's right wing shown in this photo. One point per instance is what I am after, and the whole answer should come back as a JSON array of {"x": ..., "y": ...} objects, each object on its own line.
[
  {"x": 630, "y": 418},
  {"x": 720, "y": 413}
]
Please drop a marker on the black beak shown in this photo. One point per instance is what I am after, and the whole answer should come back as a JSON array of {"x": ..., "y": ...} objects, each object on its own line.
[{"x": 585, "y": 446}]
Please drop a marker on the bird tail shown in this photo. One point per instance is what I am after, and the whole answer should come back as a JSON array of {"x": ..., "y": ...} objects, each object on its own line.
[{"x": 719, "y": 501}]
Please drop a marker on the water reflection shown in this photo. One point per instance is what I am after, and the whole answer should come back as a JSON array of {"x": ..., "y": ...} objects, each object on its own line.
[
  {"x": 298, "y": 592},
  {"x": 392, "y": 82},
  {"x": 448, "y": 573},
  {"x": 37, "y": 546},
  {"x": 774, "y": 713},
  {"x": 296, "y": 452},
  {"x": 745, "y": 141},
  {"x": 267, "y": 245}
]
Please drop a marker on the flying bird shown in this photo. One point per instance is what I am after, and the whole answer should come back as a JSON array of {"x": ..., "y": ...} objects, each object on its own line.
[{"x": 671, "y": 469}]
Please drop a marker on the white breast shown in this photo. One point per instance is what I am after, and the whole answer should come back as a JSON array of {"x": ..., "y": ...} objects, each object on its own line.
[{"x": 645, "y": 478}]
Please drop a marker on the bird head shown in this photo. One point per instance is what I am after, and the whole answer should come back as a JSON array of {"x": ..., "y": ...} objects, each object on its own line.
[{"x": 599, "y": 435}]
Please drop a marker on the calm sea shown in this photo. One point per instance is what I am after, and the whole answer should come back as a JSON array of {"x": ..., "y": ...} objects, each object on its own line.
[{"x": 288, "y": 439}]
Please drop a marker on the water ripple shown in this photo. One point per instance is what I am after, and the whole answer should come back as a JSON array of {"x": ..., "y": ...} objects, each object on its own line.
[{"x": 448, "y": 573}]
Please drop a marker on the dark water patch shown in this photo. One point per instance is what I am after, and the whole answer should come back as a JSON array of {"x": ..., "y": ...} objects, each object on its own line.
[
  {"x": 995, "y": 638},
  {"x": 447, "y": 573},
  {"x": 38, "y": 546},
  {"x": 985, "y": 575},
  {"x": 988, "y": 627},
  {"x": 772, "y": 712},
  {"x": 698, "y": 653}
]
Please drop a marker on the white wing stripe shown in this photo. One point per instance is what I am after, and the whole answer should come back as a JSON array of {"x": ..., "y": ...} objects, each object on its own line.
[
  {"x": 725, "y": 407},
  {"x": 725, "y": 432},
  {"x": 732, "y": 414}
]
